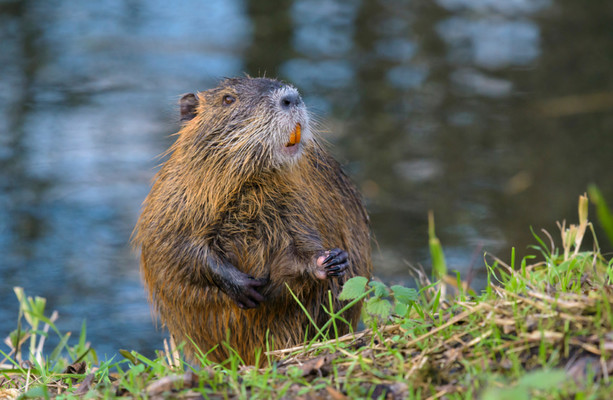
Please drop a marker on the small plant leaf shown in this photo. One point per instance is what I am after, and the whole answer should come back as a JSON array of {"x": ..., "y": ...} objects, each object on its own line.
[
  {"x": 439, "y": 265},
  {"x": 18, "y": 335},
  {"x": 512, "y": 393},
  {"x": 129, "y": 356},
  {"x": 379, "y": 307},
  {"x": 401, "y": 309},
  {"x": 37, "y": 392},
  {"x": 380, "y": 288},
  {"x": 542, "y": 380},
  {"x": 404, "y": 295},
  {"x": 353, "y": 288}
]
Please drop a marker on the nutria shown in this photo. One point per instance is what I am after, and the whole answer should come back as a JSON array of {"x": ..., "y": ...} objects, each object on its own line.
[{"x": 247, "y": 205}]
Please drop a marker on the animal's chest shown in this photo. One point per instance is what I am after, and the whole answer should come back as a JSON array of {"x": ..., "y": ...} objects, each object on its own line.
[
  {"x": 256, "y": 230},
  {"x": 254, "y": 214}
]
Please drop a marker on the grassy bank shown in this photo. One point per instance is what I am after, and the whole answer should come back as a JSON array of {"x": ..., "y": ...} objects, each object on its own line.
[{"x": 542, "y": 328}]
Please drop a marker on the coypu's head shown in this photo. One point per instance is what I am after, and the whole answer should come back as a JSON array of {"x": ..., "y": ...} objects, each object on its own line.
[{"x": 255, "y": 120}]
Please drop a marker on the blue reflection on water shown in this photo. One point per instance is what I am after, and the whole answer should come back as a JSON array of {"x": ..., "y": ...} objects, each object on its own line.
[{"x": 491, "y": 42}]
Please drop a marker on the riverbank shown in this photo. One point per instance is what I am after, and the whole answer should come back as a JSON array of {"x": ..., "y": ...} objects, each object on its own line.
[{"x": 542, "y": 328}]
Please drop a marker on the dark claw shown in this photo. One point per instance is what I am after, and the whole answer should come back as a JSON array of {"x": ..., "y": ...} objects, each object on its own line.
[
  {"x": 257, "y": 282},
  {"x": 333, "y": 253},
  {"x": 249, "y": 304},
  {"x": 338, "y": 267},
  {"x": 336, "y": 257},
  {"x": 256, "y": 296},
  {"x": 336, "y": 263}
]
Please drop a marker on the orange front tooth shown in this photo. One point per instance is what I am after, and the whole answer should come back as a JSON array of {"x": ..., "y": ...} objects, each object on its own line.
[
  {"x": 297, "y": 131},
  {"x": 294, "y": 137}
]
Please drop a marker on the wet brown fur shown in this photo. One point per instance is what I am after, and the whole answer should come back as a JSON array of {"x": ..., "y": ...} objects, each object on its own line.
[{"x": 270, "y": 221}]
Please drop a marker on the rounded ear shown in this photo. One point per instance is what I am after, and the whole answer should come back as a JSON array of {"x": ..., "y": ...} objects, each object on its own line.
[{"x": 188, "y": 104}]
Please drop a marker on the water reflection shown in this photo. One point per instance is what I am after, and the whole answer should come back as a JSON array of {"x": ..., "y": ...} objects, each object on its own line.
[
  {"x": 492, "y": 42},
  {"x": 429, "y": 105}
]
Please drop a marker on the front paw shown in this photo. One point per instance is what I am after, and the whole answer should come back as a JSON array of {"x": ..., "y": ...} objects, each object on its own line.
[
  {"x": 332, "y": 263},
  {"x": 245, "y": 293}
]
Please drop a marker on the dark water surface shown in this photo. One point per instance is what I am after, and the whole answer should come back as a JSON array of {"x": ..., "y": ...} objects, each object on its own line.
[{"x": 495, "y": 114}]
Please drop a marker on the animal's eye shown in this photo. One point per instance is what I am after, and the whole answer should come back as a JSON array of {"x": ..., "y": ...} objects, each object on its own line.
[{"x": 228, "y": 99}]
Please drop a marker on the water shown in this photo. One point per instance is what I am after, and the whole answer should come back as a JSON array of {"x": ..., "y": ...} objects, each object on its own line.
[{"x": 494, "y": 114}]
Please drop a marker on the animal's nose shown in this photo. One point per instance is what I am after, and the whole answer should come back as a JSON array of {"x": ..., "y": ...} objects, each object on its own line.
[{"x": 290, "y": 100}]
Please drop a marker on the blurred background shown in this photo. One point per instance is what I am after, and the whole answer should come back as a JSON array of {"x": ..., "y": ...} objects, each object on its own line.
[{"x": 495, "y": 114}]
